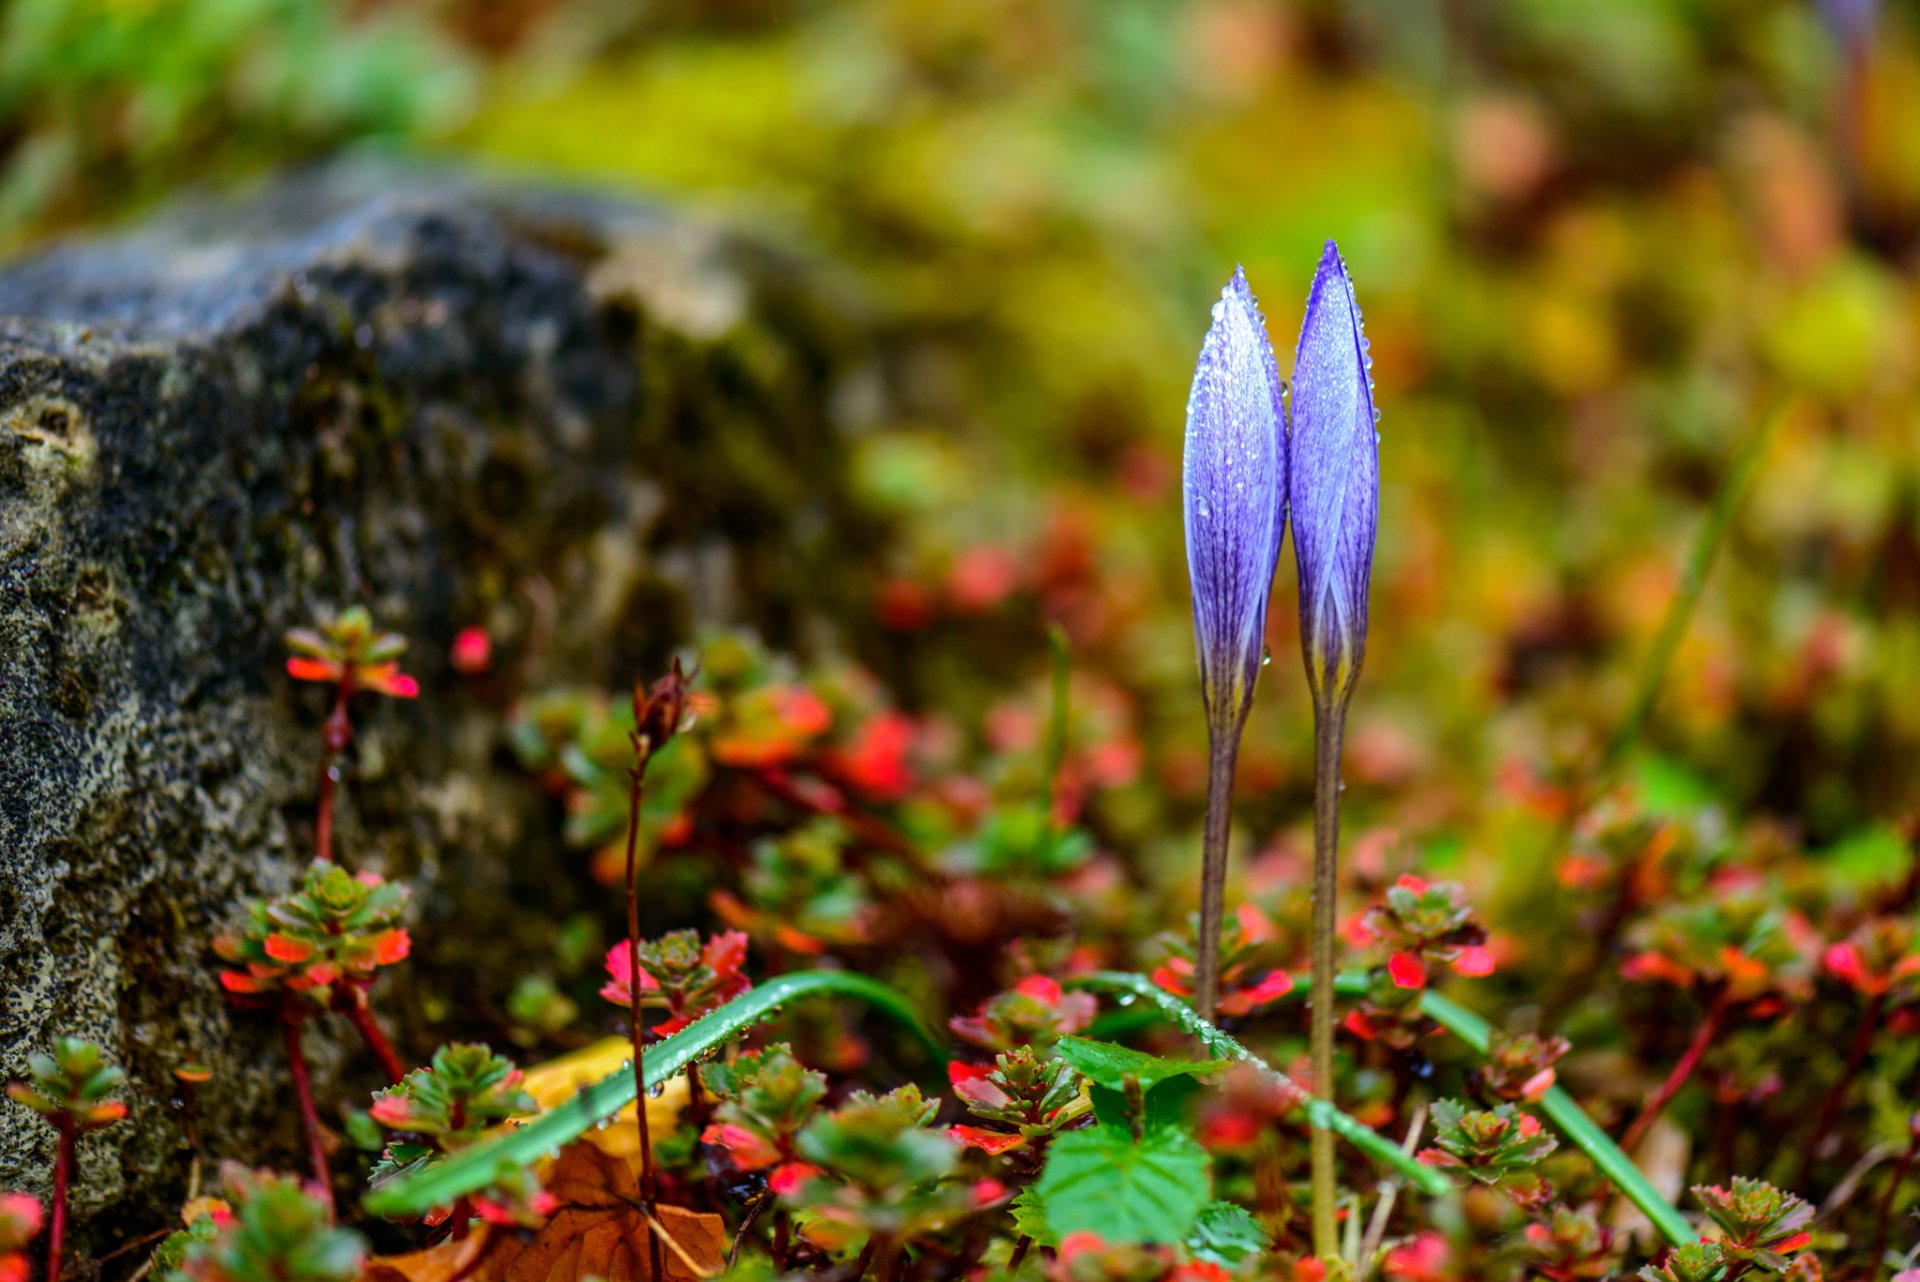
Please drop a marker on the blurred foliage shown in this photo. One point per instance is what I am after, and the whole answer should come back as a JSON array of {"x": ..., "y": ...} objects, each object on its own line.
[{"x": 1595, "y": 241}]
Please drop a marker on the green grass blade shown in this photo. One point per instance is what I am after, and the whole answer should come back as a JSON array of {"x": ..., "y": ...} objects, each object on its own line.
[
  {"x": 1568, "y": 1116},
  {"x": 474, "y": 1168},
  {"x": 1319, "y": 1112}
]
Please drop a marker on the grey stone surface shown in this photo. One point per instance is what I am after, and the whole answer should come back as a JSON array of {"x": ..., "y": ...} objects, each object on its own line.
[{"x": 583, "y": 424}]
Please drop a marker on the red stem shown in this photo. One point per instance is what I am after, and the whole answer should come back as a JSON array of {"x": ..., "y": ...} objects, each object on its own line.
[
  {"x": 362, "y": 1016},
  {"x": 62, "y": 1175},
  {"x": 335, "y": 735},
  {"x": 1830, "y": 1107},
  {"x": 309, "y": 1116},
  {"x": 1702, "y": 1038},
  {"x": 636, "y": 1028}
]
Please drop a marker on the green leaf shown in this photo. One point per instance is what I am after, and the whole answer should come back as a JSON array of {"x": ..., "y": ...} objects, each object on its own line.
[
  {"x": 1030, "y": 1217},
  {"x": 475, "y": 1167},
  {"x": 1105, "y": 1064},
  {"x": 1320, "y": 1113},
  {"x": 1164, "y": 1105},
  {"x": 1100, "y": 1181},
  {"x": 1226, "y": 1233}
]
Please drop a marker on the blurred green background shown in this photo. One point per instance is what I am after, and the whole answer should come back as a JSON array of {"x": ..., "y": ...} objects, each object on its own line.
[{"x": 1595, "y": 240}]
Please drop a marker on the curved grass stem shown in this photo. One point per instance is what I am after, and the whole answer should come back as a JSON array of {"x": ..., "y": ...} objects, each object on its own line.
[{"x": 476, "y": 1166}]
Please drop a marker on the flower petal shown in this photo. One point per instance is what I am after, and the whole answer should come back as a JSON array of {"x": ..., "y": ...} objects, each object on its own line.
[
  {"x": 1234, "y": 476},
  {"x": 1334, "y": 482}
]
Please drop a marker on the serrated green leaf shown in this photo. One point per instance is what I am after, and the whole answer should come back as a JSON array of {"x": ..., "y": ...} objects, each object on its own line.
[
  {"x": 1226, "y": 1233},
  {"x": 1100, "y": 1181},
  {"x": 1108, "y": 1065},
  {"x": 1030, "y": 1217}
]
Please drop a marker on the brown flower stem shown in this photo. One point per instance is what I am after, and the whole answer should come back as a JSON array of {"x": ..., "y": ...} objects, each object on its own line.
[
  {"x": 335, "y": 735},
  {"x": 1020, "y": 1250},
  {"x": 1223, "y": 749},
  {"x": 290, "y": 1022},
  {"x": 636, "y": 1025},
  {"x": 1880, "y": 1232},
  {"x": 360, "y": 1013},
  {"x": 462, "y": 1213},
  {"x": 1836, "y": 1097},
  {"x": 1683, "y": 1070},
  {"x": 62, "y": 1177},
  {"x": 865, "y": 1258},
  {"x": 1329, "y": 728}
]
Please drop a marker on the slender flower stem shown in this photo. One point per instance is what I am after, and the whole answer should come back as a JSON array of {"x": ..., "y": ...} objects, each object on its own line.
[
  {"x": 1689, "y": 1060},
  {"x": 1830, "y": 1107},
  {"x": 361, "y": 1015},
  {"x": 62, "y": 1177},
  {"x": 1223, "y": 750},
  {"x": 1329, "y": 727},
  {"x": 290, "y": 1022},
  {"x": 637, "y": 1027},
  {"x": 1020, "y": 1249}
]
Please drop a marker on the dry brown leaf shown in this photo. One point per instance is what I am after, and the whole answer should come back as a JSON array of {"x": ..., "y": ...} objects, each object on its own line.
[
  {"x": 446, "y": 1262},
  {"x": 599, "y": 1230}
]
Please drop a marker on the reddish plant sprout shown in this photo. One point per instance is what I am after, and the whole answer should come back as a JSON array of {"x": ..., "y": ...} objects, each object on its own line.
[
  {"x": 887, "y": 1176},
  {"x": 680, "y": 974},
  {"x": 472, "y": 652},
  {"x": 276, "y": 1229},
  {"x": 1762, "y": 1224},
  {"x": 875, "y": 763},
  {"x": 20, "y": 1217},
  {"x": 766, "y": 1099},
  {"x": 1519, "y": 1069},
  {"x": 350, "y": 654},
  {"x": 1497, "y": 1147},
  {"x": 1427, "y": 1257},
  {"x": 442, "y": 1108},
  {"x": 1569, "y": 1245},
  {"x": 323, "y": 943},
  {"x": 1087, "y": 1257},
  {"x": 1694, "y": 1262},
  {"x": 1879, "y": 959},
  {"x": 1389, "y": 1013},
  {"x": 515, "y": 1199},
  {"x": 1035, "y": 1012},
  {"x": 1740, "y": 949},
  {"x": 1245, "y": 985},
  {"x": 798, "y": 895},
  {"x": 70, "y": 1089},
  {"x": 769, "y": 726},
  {"x": 1023, "y": 1088},
  {"x": 1249, "y": 1102},
  {"x": 1422, "y": 923}
]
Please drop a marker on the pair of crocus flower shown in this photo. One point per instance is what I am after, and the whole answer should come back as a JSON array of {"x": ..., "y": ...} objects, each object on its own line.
[{"x": 1249, "y": 464}]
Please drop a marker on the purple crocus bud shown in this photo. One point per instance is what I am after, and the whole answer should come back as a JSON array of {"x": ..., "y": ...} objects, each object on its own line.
[
  {"x": 1235, "y": 488},
  {"x": 1334, "y": 488}
]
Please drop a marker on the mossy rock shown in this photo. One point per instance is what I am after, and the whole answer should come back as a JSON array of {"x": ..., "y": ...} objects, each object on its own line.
[{"x": 583, "y": 424}]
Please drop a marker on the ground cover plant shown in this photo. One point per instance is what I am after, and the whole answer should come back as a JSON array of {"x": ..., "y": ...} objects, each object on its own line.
[
  {"x": 1078, "y": 1116},
  {"x": 1574, "y": 933}
]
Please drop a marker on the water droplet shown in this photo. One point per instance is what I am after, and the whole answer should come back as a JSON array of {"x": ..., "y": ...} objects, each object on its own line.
[
  {"x": 656, "y": 1090},
  {"x": 1266, "y": 655},
  {"x": 1127, "y": 999}
]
